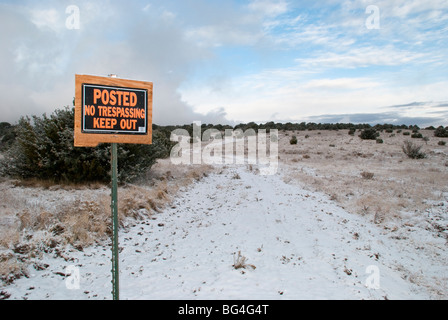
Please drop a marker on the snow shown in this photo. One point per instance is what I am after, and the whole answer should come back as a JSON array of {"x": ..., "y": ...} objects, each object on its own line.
[{"x": 298, "y": 244}]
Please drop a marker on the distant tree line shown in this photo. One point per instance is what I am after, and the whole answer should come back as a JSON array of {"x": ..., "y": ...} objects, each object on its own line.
[
  {"x": 42, "y": 147},
  {"x": 302, "y": 126}
]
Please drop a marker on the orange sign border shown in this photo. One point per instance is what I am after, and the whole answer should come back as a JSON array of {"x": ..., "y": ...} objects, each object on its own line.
[{"x": 93, "y": 139}]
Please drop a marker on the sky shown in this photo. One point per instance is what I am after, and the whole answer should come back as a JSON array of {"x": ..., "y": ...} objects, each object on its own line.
[{"x": 234, "y": 61}]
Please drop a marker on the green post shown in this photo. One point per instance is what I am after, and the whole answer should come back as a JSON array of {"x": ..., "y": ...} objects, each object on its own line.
[{"x": 114, "y": 207}]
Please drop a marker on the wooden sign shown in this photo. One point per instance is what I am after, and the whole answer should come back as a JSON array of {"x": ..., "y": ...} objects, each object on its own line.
[{"x": 111, "y": 110}]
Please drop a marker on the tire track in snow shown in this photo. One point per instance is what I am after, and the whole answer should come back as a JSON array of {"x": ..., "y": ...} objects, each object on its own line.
[{"x": 302, "y": 245}]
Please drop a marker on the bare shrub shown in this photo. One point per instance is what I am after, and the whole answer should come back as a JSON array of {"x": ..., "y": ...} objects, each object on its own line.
[
  {"x": 367, "y": 175},
  {"x": 379, "y": 216},
  {"x": 240, "y": 262},
  {"x": 412, "y": 150},
  {"x": 83, "y": 222}
]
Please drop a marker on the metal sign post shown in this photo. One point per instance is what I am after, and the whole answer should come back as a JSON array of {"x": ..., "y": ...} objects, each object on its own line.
[
  {"x": 114, "y": 207},
  {"x": 111, "y": 110}
]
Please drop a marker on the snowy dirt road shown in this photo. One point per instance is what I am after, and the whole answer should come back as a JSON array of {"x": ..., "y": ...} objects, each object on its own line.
[{"x": 297, "y": 244}]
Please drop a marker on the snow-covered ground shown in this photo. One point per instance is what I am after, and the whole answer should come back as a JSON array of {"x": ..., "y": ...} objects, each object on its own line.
[{"x": 298, "y": 244}]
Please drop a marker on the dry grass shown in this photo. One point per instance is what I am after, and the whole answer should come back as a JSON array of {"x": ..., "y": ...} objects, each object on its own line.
[
  {"x": 366, "y": 177},
  {"x": 49, "y": 184},
  {"x": 240, "y": 262},
  {"x": 38, "y": 216}
]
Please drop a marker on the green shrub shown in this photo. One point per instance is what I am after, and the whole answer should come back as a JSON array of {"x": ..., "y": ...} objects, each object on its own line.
[
  {"x": 293, "y": 140},
  {"x": 44, "y": 149},
  {"x": 416, "y": 135},
  {"x": 441, "y": 132},
  {"x": 441, "y": 143},
  {"x": 7, "y": 135},
  {"x": 406, "y": 133},
  {"x": 369, "y": 134},
  {"x": 378, "y": 140}
]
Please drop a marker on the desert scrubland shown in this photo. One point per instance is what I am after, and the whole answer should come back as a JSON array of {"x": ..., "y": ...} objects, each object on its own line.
[{"x": 337, "y": 205}]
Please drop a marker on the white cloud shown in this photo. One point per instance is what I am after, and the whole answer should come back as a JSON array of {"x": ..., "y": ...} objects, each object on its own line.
[
  {"x": 47, "y": 18},
  {"x": 401, "y": 9},
  {"x": 268, "y": 8},
  {"x": 290, "y": 95},
  {"x": 321, "y": 57},
  {"x": 239, "y": 27},
  {"x": 304, "y": 34},
  {"x": 405, "y": 8},
  {"x": 341, "y": 84},
  {"x": 363, "y": 57},
  {"x": 220, "y": 35},
  {"x": 113, "y": 38}
]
